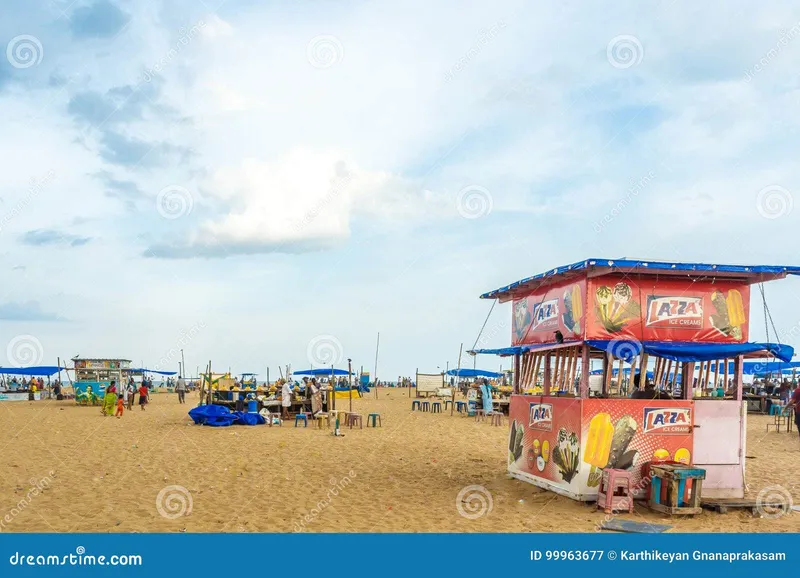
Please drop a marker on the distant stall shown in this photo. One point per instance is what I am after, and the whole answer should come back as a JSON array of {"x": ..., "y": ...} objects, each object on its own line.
[
  {"x": 16, "y": 383},
  {"x": 93, "y": 376}
]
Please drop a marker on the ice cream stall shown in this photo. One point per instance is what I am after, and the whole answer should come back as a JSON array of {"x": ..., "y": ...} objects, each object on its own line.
[{"x": 674, "y": 323}]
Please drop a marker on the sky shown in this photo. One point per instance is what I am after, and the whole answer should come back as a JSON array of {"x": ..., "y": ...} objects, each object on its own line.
[{"x": 264, "y": 184}]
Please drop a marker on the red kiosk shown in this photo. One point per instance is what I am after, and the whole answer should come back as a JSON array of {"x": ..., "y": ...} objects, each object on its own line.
[{"x": 677, "y": 320}]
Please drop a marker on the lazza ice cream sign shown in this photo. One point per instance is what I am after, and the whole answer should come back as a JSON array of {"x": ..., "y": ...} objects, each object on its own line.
[
  {"x": 541, "y": 416},
  {"x": 540, "y": 314},
  {"x": 667, "y": 420},
  {"x": 675, "y": 312}
]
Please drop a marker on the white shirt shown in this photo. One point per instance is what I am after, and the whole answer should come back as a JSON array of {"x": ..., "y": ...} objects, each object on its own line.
[{"x": 286, "y": 395}]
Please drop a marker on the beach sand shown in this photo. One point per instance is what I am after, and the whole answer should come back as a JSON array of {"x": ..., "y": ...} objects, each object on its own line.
[{"x": 102, "y": 474}]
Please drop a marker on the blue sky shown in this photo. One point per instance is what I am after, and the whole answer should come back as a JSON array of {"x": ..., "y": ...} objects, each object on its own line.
[{"x": 262, "y": 184}]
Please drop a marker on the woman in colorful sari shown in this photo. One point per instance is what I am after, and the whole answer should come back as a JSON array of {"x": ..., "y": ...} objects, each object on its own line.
[
  {"x": 486, "y": 393},
  {"x": 110, "y": 399}
]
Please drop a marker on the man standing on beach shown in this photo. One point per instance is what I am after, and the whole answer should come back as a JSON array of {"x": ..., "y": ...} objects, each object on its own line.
[
  {"x": 180, "y": 388},
  {"x": 286, "y": 398}
]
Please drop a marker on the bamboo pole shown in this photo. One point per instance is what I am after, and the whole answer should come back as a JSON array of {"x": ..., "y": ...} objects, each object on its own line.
[
  {"x": 554, "y": 375},
  {"x": 537, "y": 364},
  {"x": 667, "y": 375},
  {"x": 726, "y": 375},
  {"x": 643, "y": 370},
  {"x": 619, "y": 375},
  {"x": 633, "y": 372},
  {"x": 562, "y": 370},
  {"x": 708, "y": 373},
  {"x": 531, "y": 361},
  {"x": 716, "y": 373},
  {"x": 573, "y": 369},
  {"x": 608, "y": 364},
  {"x": 458, "y": 376}
]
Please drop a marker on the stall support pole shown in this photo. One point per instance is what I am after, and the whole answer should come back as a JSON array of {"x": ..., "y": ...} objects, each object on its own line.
[
  {"x": 629, "y": 389},
  {"x": 619, "y": 376},
  {"x": 738, "y": 372},
  {"x": 643, "y": 371},
  {"x": 546, "y": 384},
  {"x": 515, "y": 388},
  {"x": 725, "y": 374},
  {"x": 584, "y": 386},
  {"x": 716, "y": 373},
  {"x": 608, "y": 367}
]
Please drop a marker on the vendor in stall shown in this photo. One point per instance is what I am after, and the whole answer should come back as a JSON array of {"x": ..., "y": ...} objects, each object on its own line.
[
  {"x": 286, "y": 398},
  {"x": 486, "y": 395}
]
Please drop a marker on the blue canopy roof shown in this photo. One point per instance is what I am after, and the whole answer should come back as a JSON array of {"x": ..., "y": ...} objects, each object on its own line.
[
  {"x": 145, "y": 370},
  {"x": 473, "y": 373},
  {"x": 322, "y": 371},
  {"x": 754, "y": 272},
  {"x": 690, "y": 351},
  {"x": 32, "y": 370},
  {"x": 761, "y": 367}
]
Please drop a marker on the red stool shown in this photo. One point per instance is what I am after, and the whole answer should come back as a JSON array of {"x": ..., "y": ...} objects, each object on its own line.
[{"x": 614, "y": 493}]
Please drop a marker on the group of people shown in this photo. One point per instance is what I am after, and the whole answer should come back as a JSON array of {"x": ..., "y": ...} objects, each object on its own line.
[
  {"x": 312, "y": 391},
  {"x": 124, "y": 397}
]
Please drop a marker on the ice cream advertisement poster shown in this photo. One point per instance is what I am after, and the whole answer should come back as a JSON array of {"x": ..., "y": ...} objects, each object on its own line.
[
  {"x": 667, "y": 310},
  {"x": 587, "y": 436},
  {"x": 560, "y": 307}
]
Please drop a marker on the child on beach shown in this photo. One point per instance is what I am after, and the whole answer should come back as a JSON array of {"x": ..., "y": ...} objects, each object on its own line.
[
  {"x": 143, "y": 393},
  {"x": 120, "y": 406}
]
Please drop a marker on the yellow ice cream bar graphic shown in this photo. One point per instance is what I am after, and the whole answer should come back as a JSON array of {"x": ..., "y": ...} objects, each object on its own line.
[
  {"x": 545, "y": 450},
  {"x": 735, "y": 308},
  {"x": 577, "y": 304},
  {"x": 683, "y": 456},
  {"x": 598, "y": 442}
]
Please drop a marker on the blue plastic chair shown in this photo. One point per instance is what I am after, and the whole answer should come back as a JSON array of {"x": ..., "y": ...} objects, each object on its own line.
[{"x": 300, "y": 416}]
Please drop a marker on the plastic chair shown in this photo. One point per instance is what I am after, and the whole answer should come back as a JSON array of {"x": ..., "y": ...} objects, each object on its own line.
[
  {"x": 480, "y": 415},
  {"x": 352, "y": 418},
  {"x": 496, "y": 418},
  {"x": 614, "y": 493},
  {"x": 450, "y": 401},
  {"x": 461, "y": 406},
  {"x": 300, "y": 416}
]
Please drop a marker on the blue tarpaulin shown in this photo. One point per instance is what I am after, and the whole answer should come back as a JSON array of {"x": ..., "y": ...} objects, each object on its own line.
[
  {"x": 247, "y": 418},
  {"x": 323, "y": 372},
  {"x": 42, "y": 370},
  {"x": 145, "y": 370},
  {"x": 213, "y": 415},
  {"x": 690, "y": 351},
  {"x": 473, "y": 373}
]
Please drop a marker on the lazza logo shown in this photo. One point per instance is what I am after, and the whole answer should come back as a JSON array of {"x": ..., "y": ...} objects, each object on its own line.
[
  {"x": 667, "y": 420},
  {"x": 675, "y": 312},
  {"x": 545, "y": 315},
  {"x": 541, "y": 416}
]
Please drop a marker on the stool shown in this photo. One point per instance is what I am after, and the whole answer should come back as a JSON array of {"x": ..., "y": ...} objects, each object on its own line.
[
  {"x": 415, "y": 405},
  {"x": 614, "y": 493},
  {"x": 300, "y": 416},
  {"x": 480, "y": 415},
  {"x": 426, "y": 405},
  {"x": 461, "y": 406},
  {"x": 775, "y": 409},
  {"x": 322, "y": 417},
  {"x": 450, "y": 401},
  {"x": 436, "y": 407},
  {"x": 374, "y": 417},
  {"x": 352, "y": 418},
  {"x": 496, "y": 418},
  {"x": 777, "y": 422},
  {"x": 678, "y": 497},
  {"x": 270, "y": 416}
]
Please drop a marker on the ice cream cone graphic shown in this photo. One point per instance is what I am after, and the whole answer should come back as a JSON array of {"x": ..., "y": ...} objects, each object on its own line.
[{"x": 736, "y": 314}]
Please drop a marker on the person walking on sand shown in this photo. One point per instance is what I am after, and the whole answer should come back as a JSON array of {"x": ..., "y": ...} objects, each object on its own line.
[
  {"x": 180, "y": 388},
  {"x": 286, "y": 399},
  {"x": 110, "y": 398},
  {"x": 120, "y": 406},
  {"x": 131, "y": 388},
  {"x": 143, "y": 395}
]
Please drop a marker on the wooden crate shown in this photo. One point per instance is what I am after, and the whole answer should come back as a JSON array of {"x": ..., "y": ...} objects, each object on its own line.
[{"x": 675, "y": 477}]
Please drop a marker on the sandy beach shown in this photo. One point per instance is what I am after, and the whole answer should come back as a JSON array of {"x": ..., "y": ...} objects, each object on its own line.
[{"x": 68, "y": 469}]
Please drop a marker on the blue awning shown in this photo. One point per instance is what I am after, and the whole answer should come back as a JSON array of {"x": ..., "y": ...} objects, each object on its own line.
[
  {"x": 753, "y": 272},
  {"x": 690, "y": 351},
  {"x": 761, "y": 367},
  {"x": 322, "y": 372},
  {"x": 513, "y": 350},
  {"x": 145, "y": 370},
  {"x": 37, "y": 370},
  {"x": 473, "y": 373}
]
